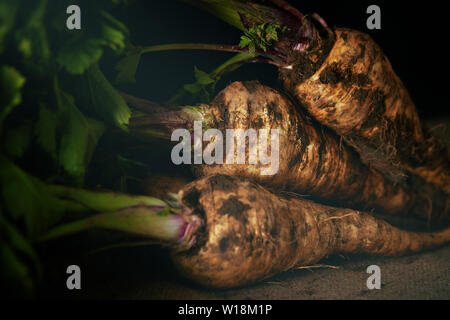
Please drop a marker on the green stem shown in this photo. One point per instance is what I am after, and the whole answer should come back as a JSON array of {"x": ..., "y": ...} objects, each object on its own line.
[
  {"x": 140, "y": 221},
  {"x": 102, "y": 201},
  {"x": 207, "y": 46},
  {"x": 143, "y": 105},
  {"x": 231, "y": 64},
  {"x": 193, "y": 46}
]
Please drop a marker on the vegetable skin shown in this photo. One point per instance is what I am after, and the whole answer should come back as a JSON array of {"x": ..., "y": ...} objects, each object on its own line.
[
  {"x": 355, "y": 91},
  {"x": 250, "y": 233},
  {"x": 312, "y": 160}
]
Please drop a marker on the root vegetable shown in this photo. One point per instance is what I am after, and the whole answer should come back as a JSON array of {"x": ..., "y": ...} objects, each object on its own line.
[
  {"x": 250, "y": 234},
  {"x": 355, "y": 92},
  {"x": 312, "y": 160},
  {"x": 345, "y": 81}
]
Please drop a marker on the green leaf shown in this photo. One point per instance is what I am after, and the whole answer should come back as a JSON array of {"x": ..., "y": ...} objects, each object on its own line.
[
  {"x": 25, "y": 200},
  {"x": 202, "y": 90},
  {"x": 202, "y": 77},
  {"x": 252, "y": 49},
  {"x": 11, "y": 82},
  {"x": 18, "y": 139},
  {"x": 8, "y": 12},
  {"x": 14, "y": 182},
  {"x": 114, "y": 22},
  {"x": 74, "y": 139},
  {"x": 245, "y": 41},
  {"x": 127, "y": 68},
  {"x": 18, "y": 242},
  {"x": 45, "y": 131},
  {"x": 199, "y": 93},
  {"x": 77, "y": 56},
  {"x": 31, "y": 37},
  {"x": 83, "y": 49},
  {"x": 113, "y": 38},
  {"x": 193, "y": 88},
  {"x": 272, "y": 32},
  {"x": 20, "y": 263},
  {"x": 78, "y": 140},
  {"x": 261, "y": 36},
  {"x": 32, "y": 44},
  {"x": 107, "y": 103}
]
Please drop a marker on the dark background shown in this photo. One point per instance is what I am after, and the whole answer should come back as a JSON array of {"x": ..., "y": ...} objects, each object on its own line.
[{"x": 413, "y": 36}]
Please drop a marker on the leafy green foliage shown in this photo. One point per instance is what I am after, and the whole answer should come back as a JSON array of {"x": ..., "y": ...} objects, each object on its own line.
[
  {"x": 85, "y": 48},
  {"x": 127, "y": 68},
  {"x": 77, "y": 56},
  {"x": 34, "y": 43},
  {"x": 201, "y": 91},
  {"x": 202, "y": 77},
  {"x": 34, "y": 207},
  {"x": 17, "y": 239},
  {"x": 11, "y": 82},
  {"x": 261, "y": 36},
  {"x": 106, "y": 102},
  {"x": 31, "y": 38},
  {"x": 68, "y": 136},
  {"x": 114, "y": 32},
  {"x": 78, "y": 139},
  {"x": 203, "y": 87},
  {"x": 15, "y": 252},
  {"x": 8, "y": 12}
]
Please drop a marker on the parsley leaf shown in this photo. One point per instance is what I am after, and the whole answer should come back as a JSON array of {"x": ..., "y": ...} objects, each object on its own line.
[
  {"x": 106, "y": 102},
  {"x": 261, "y": 36},
  {"x": 11, "y": 83}
]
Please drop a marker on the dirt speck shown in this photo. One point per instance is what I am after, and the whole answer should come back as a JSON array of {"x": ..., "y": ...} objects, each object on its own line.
[
  {"x": 233, "y": 207},
  {"x": 223, "y": 244}
]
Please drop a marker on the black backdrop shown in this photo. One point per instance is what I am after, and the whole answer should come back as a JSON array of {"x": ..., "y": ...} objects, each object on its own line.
[{"x": 413, "y": 36}]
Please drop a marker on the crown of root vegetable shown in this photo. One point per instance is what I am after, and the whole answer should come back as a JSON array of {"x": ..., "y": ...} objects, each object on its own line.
[{"x": 250, "y": 234}]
